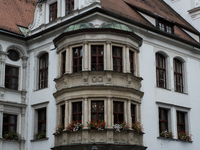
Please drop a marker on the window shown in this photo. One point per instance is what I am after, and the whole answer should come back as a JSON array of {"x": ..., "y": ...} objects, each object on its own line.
[
  {"x": 13, "y": 55},
  {"x": 117, "y": 58},
  {"x": 180, "y": 121},
  {"x": 43, "y": 71},
  {"x": 160, "y": 71},
  {"x": 42, "y": 120},
  {"x": 11, "y": 77},
  {"x": 9, "y": 123},
  {"x": 97, "y": 57},
  {"x": 53, "y": 12},
  {"x": 178, "y": 76},
  {"x": 63, "y": 114},
  {"x": 69, "y": 6},
  {"x": 166, "y": 27},
  {"x": 133, "y": 113},
  {"x": 77, "y": 59},
  {"x": 131, "y": 59},
  {"x": 63, "y": 62},
  {"x": 97, "y": 110},
  {"x": 118, "y": 111},
  {"x": 163, "y": 119},
  {"x": 77, "y": 111}
]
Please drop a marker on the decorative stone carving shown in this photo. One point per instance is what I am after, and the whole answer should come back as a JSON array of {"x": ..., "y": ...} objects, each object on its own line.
[
  {"x": 94, "y": 79},
  {"x": 65, "y": 81},
  {"x": 23, "y": 97},
  {"x": 85, "y": 77},
  {"x": 97, "y": 79},
  {"x": 100, "y": 79},
  {"x": 37, "y": 17}
]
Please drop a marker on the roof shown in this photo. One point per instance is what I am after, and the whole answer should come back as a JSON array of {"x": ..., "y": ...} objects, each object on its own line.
[
  {"x": 117, "y": 26},
  {"x": 16, "y": 12},
  {"x": 78, "y": 26}
]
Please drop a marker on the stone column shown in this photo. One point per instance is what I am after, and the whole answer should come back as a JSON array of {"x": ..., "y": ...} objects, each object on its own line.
[
  {"x": 109, "y": 113},
  {"x": 2, "y": 67},
  {"x": 66, "y": 113},
  {"x": 129, "y": 120},
  {"x": 24, "y": 66},
  {"x": 67, "y": 64},
  {"x": 108, "y": 56},
  {"x": 127, "y": 57},
  {"x": 85, "y": 112},
  {"x": 23, "y": 123},
  {"x": 1, "y": 121},
  {"x": 59, "y": 65},
  {"x": 86, "y": 58},
  {"x": 58, "y": 116}
]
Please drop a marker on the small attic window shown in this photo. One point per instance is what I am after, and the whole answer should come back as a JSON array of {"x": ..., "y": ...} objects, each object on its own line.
[{"x": 165, "y": 26}]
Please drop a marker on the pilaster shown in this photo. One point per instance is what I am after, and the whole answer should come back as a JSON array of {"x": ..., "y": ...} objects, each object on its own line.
[
  {"x": 109, "y": 113},
  {"x": 2, "y": 67},
  {"x": 58, "y": 116},
  {"x": 127, "y": 57},
  {"x": 23, "y": 123},
  {"x": 108, "y": 55},
  {"x": 85, "y": 112},
  {"x": 1, "y": 120},
  {"x": 85, "y": 59},
  {"x": 67, "y": 59},
  {"x": 129, "y": 120},
  {"x": 66, "y": 113}
]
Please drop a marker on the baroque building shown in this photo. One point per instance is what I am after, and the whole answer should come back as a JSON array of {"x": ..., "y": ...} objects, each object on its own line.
[{"x": 131, "y": 61}]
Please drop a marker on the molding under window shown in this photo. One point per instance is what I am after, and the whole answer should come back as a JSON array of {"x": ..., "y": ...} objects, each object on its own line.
[{"x": 172, "y": 105}]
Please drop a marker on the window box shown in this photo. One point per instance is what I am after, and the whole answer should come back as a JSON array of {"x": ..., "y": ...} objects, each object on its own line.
[
  {"x": 166, "y": 134},
  {"x": 184, "y": 136},
  {"x": 40, "y": 135},
  {"x": 121, "y": 126},
  {"x": 97, "y": 124},
  {"x": 74, "y": 126},
  {"x": 137, "y": 127},
  {"x": 11, "y": 136}
]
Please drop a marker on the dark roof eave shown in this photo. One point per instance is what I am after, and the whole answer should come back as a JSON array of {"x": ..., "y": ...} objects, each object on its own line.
[
  {"x": 9, "y": 33},
  {"x": 93, "y": 30}
]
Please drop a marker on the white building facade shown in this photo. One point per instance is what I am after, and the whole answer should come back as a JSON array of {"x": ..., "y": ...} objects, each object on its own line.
[{"x": 78, "y": 54}]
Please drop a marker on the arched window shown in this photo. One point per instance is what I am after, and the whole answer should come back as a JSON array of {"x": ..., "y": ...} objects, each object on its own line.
[
  {"x": 43, "y": 71},
  {"x": 178, "y": 76},
  {"x": 160, "y": 70}
]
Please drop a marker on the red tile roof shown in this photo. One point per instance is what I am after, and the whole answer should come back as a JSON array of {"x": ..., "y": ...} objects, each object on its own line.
[{"x": 16, "y": 12}]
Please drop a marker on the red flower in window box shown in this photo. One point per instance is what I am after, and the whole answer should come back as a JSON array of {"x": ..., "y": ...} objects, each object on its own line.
[
  {"x": 137, "y": 127},
  {"x": 184, "y": 136},
  {"x": 121, "y": 126},
  {"x": 96, "y": 124},
  {"x": 74, "y": 126},
  {"x": 59, "y": 129},
  {"x": 166, "y": 134},
  {"x": 11, "y": 136}
]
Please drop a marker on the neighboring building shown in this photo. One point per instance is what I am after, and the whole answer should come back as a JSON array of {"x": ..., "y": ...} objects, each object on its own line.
[{"x": 116, "y": 60}]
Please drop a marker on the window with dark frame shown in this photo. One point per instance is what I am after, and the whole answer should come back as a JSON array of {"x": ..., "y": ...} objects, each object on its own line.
[
  {"x": 11, "y": 77},
  {"x": 178, "y": 76},
  {"x": 97, "y": 58},
  {"x": 43, "y": 71},
  {"x": 117, "y": 58},
  {"x": 97, "y": 110},
  {"x": 77, "y": 111},
  {"x": 63, "y": 114},
  {"x": 53, "y": 12},
  {"x": 160, "y": 70},
  {"x": 133, "y": 112},
  {"x": 69, "y": 6},
  {"x": 163, "y": 119},
  {"x": 180, "y": 121},
  {"x": 13, "y": 55},
  {"x": 77, "y": 59},
  {"x": 63, "y": 62},
  {"x": 9, "y": 123},
  {"x": 42, "y": 120},
  {"x": 165, "y": 26},
  {"x": 118, "y": 111},
  {"x": 131, "y": 59}
]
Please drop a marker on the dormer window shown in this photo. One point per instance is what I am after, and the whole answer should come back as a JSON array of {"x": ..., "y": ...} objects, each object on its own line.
[
  {"x": 165, "y": 26},
  {"x": 69, "y": 6},
  {"x": 53, "y": 12}
]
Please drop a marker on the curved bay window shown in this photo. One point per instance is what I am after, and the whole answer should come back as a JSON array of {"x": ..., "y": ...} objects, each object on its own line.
[
  {"x": 97, "y": 57},
  {"x": 118, "y": 112},
  {"x": 77, "y": 59},
  {"x": 117, "y": 58},
  {"x": 43, "y": 71},
  {"x": 97, "y": 110},
  {"x": 160, "y": 71},
  {"x": 178, "y": 76}
]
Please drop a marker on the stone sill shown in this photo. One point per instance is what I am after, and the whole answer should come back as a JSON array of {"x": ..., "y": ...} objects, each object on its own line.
[
  {"x": 37, "y": 140},
  {"x": 2, "y": 139},
  {"x": 172, "y": 139}
]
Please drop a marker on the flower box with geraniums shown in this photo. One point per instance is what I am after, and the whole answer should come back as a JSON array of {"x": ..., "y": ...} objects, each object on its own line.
[
  {"x": 184, "y": 136},
  {"x": 40, "y": 135},
  {"x": 137, "y": 127},
  {"x": 96, "y": 124},
  {"x": 74, "y": 126},
  {"x": 166, "y": 134},
  {"x": 11, "y": 136},
  {"x": 121, "y": 126},
  {"x": 59, "y": 129}
]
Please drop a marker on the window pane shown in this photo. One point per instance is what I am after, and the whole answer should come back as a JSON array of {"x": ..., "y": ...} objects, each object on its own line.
[
  {"x": 15, "y": 71},
  {"x": 101, "y": 106},
  {"x": 12, "y": 119},
  {"x": 119, "y": 54},
  {"x": 93, "y": 50},
  {"x": 81, "y": 52},
  {"x": 94, "y": 116},
  {"x": 100, "y": 60},
  {"x": 115, "y": 118},
  {"x": 164, "y": 126},
  {"x": 94, "y": 68},
  {"x": 14, "y": 80},
  {"x": 8, "y": 70},
  {"x": 94, "y": 60},
  {"x": 120, "y": 107},
  {"x": 75, "y": 52},
  {"x": 12, "y": 128},
  {"x": 113, "y": 52},
  {"x": 101, "y": 117},
  {"x": 115, "y": 107},
  {"x": 7, "y": 79},
  {"x": 94, "y": 106},
  {"x": 80, "y": 107},
  {"x": 75, "y": 62},
  {"x": 100, "y": 67},
  {"x": 121, "y": 117},
  {"x": 14, "y": 87},
  {"x": 5, "y": 128},
  {"x": 5, "y": 118},
  {"x": 181, "y": 117},
  {"x": 164, "y": 114},
  {"x": 75, "y": 107},
  {"x": 75, "y": 118}
]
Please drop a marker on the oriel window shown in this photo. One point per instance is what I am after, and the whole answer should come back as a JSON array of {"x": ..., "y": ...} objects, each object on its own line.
[
  {"x": 117, "y": 58},
  {"x": 77, "y": 59},
  {"x": 97, "y": 58},
  {"x": 97, "y": 110}
]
